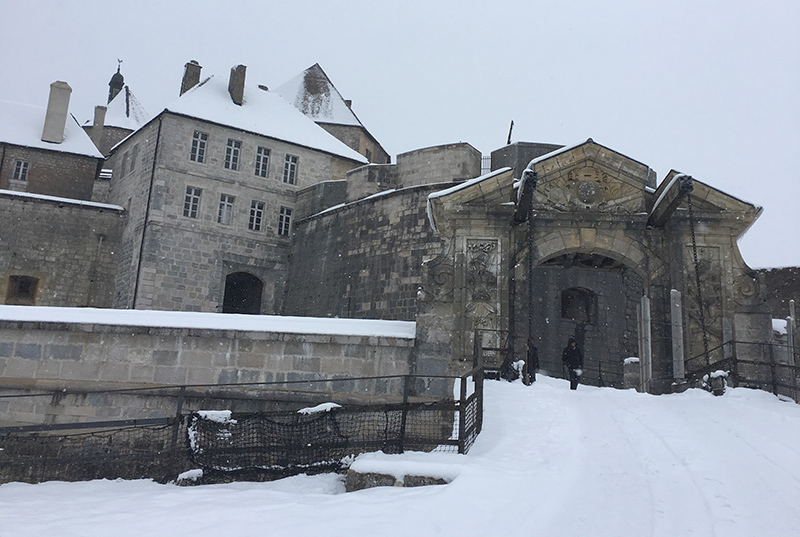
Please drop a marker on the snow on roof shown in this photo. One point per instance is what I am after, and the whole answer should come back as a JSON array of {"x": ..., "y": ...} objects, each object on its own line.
[
  {"x": 56, "y": 199},
  {"x": 469, "y": 182},
  {"x": 22, "y": 124},
  {"x": 126, "y": 111},
  {"x": 211, "y": 321},
  {"x": 263, "y": 112},
  {"x": 313, "y": 93}
]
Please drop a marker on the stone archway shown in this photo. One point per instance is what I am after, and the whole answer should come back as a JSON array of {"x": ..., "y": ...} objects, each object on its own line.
[
  {"x": 593, "y": 298},
  {"x": 242, "y": 293}
]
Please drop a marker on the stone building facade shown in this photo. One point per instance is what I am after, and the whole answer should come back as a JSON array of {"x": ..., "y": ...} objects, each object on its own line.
[
  {"x": 210, "y": 187},
  {"x": 586, "y": 245}
]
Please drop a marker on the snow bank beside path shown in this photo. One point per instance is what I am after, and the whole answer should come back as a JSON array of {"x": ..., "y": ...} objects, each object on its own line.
[{"x": 550, "y": 461}]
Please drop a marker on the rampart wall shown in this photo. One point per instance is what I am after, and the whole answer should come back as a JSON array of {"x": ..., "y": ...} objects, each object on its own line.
[{"x": 69, "y": 362}]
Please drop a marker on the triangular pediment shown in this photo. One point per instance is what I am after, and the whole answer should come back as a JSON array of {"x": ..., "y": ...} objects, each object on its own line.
[
  {"x": 706, "y": 198},
  {"x": 590, "y": 177}
]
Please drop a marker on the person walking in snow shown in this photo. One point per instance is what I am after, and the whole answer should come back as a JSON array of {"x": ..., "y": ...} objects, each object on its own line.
[
  {"x": 573, "y": 359},
  {"x": 532, "y": 363}
]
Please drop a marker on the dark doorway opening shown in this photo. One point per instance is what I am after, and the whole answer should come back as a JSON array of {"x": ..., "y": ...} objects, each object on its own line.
[{"x": 242, "y": 293}]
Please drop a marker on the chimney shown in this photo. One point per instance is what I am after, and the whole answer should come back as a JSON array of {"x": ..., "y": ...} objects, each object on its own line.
[
  {"x": 191, "y": 76},
  {"x": 57, "y": 109},
  {"x": 236, "y": 84},
  {"x": 97, "y": 125}
]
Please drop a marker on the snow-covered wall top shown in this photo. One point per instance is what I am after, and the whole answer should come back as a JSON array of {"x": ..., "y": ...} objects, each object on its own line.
[
  {"x": 57, "y": 199},
  {"x": 263, "y": 112},
  {"x": 211, "y": 321},
  {"x": 22, "y": 124}
]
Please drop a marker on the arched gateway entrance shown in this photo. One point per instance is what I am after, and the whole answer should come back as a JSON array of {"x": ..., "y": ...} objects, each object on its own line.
[
  {"x": 583, "y": 243},
  {"x": 594, "y": 299}
]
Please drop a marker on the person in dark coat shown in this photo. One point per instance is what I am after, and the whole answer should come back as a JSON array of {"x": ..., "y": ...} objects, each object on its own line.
[
  {"x": 532, "y": 363},
  {"x": 573, "y": 359}
]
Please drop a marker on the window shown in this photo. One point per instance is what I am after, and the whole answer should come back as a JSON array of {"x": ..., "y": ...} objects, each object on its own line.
[
  {"x": 256, "y": 215},
  {"x": 198, "y": 153},
  {"x": 368, "y": 154},
  {"x": 232, "y": 154},
  {"x": 290, "y": 170},
  {"x": 191, "y": 202},
  {"x": 21, "y": 170},
  {"x": 262, "y": 161},
  {"x": 579, "y": 305},
  {"x": 134, "y": 157},
  {"x": 124, "y": 166},
  {"x": 225, "y": 213},
  {"x": 22, "y": 290},
  {"x": 284, "y": 221}
]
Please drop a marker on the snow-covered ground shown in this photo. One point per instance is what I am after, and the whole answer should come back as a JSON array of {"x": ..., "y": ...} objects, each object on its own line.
[{"x": 597, "y": 462}]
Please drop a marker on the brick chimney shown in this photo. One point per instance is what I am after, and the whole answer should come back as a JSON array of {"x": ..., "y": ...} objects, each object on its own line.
[
  {"x": 97, "y": 125},
  {"x": 191, "y": 76},
  {"x": 57, "y": 109},
  {"x": 236, "y": 84}
]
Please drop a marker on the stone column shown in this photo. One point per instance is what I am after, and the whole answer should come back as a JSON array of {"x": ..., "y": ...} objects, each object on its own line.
[
  {"x": 676, "y": 310},
  {"x": 645, "y": 337}
]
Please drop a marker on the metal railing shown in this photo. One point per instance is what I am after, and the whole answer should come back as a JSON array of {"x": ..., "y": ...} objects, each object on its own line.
[{"x": 764, "y": 373}]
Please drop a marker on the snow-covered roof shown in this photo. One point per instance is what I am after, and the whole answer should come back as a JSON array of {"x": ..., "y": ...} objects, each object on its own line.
[
  {"x": 263, "y": 112},
  {"x": 22, "y": 124},
  {"x": 125, "y": 111},
  {"x": 56, "y": 199},
  {"x": 211, "y": 321},
  {"x": 313, "y": 93}
]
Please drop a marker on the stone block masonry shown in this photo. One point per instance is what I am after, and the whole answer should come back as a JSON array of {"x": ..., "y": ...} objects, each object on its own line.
[{"x": 72, "y": 361}]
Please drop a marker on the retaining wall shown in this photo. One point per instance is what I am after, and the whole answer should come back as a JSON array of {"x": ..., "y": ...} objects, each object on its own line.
[{"x": 70, "y": 361}]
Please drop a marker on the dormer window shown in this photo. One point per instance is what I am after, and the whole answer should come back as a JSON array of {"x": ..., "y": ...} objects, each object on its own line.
[{"x": 21, "y": 170}]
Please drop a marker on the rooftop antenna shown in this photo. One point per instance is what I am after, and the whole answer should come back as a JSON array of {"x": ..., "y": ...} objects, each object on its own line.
[{"x": 510, "y": 128}]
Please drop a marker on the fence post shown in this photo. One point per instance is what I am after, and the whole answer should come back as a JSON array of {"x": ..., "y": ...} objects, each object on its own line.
[
  {"x": 404, "y": 419},
  {"x": 479, "y": 395},
  {"x": 178, "y": 416},
  {"x": 462, "y": 416},
  {"x": 772, "y": 370}
]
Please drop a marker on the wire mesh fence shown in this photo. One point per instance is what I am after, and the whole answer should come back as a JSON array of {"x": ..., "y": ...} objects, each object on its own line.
[
  {"x": 127, "y": 453},
  {"x": 248, "y": 445}
]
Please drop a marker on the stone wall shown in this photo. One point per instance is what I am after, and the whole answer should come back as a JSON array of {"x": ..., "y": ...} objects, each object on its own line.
[
  {"x": 78, "y": 359},
  {"x": 363, "y": 260},
  {"x": 54, "y": 173},
  {"x": 451, "y": 162},
  {"x": 782, "y": 285},
  {"x": 70, "y": 247},
  {"x": 180, "y": 262}
]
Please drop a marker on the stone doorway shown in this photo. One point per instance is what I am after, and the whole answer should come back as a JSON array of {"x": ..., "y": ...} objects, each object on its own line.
[
  {"x": 592, "y": 298},
  {"x": 242, "y": 293}
]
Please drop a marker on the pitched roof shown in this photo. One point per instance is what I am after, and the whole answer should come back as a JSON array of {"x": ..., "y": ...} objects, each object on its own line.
[
  {"x": 263, "y": 112},
  {"x": 125, "y": 111},
  {"x": 313, "y": 93},
  {"x": 22, "y": 124}
]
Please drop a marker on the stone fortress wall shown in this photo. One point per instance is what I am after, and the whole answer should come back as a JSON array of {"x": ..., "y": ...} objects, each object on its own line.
[{"x": 71, "y": 361}]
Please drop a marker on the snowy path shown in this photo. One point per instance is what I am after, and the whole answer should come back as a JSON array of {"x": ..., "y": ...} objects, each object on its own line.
[{"x": 597, "y": 462}]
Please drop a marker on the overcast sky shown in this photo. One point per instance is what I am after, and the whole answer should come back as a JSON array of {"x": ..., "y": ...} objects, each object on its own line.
[{"x": 709, "y": 88}]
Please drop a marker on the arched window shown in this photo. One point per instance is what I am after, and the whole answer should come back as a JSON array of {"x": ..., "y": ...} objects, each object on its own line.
[
  {"x": 579, "y": 305},
  {"x": 242, "y": 293}
]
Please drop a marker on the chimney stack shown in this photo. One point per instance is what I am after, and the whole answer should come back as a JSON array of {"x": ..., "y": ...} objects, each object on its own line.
[
  {"x": 97, "y": 125},
  {"x": 57, "y": 109},
  {"x": 191, "y": 76},
  {"x": 236, "y": 84}
]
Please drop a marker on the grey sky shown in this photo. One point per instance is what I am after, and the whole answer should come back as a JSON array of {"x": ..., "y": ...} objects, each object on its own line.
[{"x": 709, "y": 88}]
